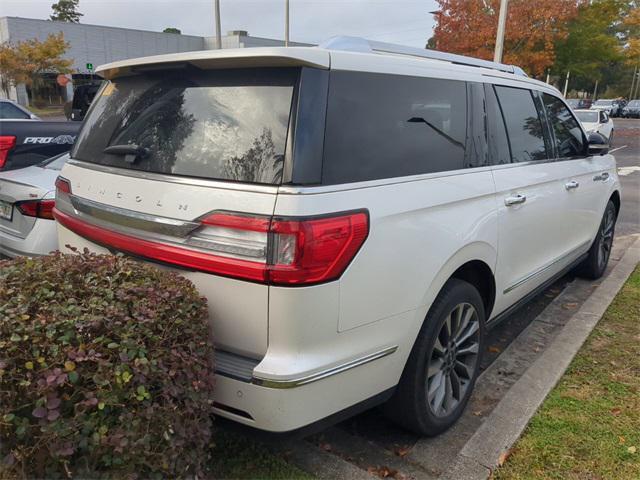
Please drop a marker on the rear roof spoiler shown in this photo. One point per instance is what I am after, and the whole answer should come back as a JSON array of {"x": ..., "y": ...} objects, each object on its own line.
[{"x": 225, "y": 58}]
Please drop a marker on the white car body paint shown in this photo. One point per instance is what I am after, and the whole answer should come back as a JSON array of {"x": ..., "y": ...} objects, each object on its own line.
[{"x": 422, "y": 228}]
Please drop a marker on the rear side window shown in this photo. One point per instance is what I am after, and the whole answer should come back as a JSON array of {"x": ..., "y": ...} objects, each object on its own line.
[
  {"x": 223, "y": 125},
  {"x": 11, "y": 111},
  {"x": 568, "y": 134},
  {"x": 525, "y": 129},
  {"x": 385, "y": 126}
]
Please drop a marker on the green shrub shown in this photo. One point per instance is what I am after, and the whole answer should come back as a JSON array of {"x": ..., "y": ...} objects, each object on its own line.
[{"x": 105, "y": 369}]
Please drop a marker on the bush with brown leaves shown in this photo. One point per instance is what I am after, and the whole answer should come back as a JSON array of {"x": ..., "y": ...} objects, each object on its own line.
[{"x": 105, "y": 369}]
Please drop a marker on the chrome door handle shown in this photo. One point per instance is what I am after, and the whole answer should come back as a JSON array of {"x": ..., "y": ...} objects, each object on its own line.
[
  {"x": 515, "y": 200},
  {"x": 571, "y": 185},
  {"x": 601, "y": 178}
]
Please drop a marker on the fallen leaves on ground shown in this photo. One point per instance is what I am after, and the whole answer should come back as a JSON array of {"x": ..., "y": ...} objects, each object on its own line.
[{"x": 402, "y": 451}]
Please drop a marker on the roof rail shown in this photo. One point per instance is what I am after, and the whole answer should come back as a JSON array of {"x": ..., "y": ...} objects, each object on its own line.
[{"x": 358, "y": 44}]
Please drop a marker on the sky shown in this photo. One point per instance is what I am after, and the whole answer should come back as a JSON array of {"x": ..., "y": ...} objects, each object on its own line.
[{"x": 406, "y": 22}]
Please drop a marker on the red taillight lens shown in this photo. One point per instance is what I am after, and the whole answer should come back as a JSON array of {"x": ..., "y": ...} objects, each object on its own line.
[
  {"x": 63, "y": 185},
  {"x": 7, "y": 142},
  {"x": 281, "y": 251},
  {"x": 37, "y": 208},
  {"x": 315, "y": 250},
  {"x": 291, "y": 251}
]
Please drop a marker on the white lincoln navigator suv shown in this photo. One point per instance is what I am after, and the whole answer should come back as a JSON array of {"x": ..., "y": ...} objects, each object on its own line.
[{"x": 357, "y": 214}]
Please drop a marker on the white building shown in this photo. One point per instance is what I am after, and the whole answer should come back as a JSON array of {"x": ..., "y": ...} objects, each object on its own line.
[{"x": 93, "y": 45}]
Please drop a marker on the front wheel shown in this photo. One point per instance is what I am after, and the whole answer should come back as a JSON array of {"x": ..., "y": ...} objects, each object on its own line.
[
  {"x": 443, "y": 366},
  {"x": 595, "y": 264}
]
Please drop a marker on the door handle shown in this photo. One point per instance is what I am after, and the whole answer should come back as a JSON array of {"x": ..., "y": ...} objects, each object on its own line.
[
  {"x": 601, "y": 178},
  {"x": 571, "y": 185},
  {"x": 515, "y": 200}
]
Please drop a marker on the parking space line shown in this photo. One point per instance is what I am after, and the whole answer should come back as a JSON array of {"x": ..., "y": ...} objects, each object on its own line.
[{"x": 618, "y": 148}]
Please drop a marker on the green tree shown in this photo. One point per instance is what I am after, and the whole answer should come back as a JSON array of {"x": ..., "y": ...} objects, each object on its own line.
[
  {"x": 66, "y": 11},
  {"x": 172, "y": 30},
  {"x": 25, "y": 62},
  {"x": 593, "y": 49}
]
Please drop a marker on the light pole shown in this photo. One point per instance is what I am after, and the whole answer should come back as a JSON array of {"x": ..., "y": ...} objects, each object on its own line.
[
  {"x": 502, "y": 21},
  {"x": 218, "y": 33},
  {"x": 566, "y": 84},
  {"x": 633, "y": 82},
  {"x": 286, "y": 23}
]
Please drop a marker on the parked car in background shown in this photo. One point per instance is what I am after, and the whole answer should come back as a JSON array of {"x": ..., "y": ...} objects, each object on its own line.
[
  {"x": 612, "y": 107},
  {"x": 14, "y": 111},
  {"x": 632, "y": 109},
  {"x": 24, "y": 143},
  {"x": 27, "y": 197},
  {"x": 585, "y": 103},
  {"x": 597, "y": 121},
  {"x": 356, "y": 219},
  {"x": 573, "y": 102}
]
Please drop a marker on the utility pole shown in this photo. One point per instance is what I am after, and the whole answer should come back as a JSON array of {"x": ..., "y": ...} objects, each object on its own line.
[
  {"x": 502, "y": 21},
  {"x": 633, "y": 82},
  {"x": 595, "y": 90},
  {"x": 218, "y": 33},
  {"x": 286, "y": 23},
  {"x": 566, "y": 84}
]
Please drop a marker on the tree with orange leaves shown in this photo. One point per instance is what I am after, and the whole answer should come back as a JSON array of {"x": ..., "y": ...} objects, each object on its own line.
[{"x": 468, "y": 27}]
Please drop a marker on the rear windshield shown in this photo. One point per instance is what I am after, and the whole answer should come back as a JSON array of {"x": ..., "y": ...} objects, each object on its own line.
[{"x": 216, "y": 124}]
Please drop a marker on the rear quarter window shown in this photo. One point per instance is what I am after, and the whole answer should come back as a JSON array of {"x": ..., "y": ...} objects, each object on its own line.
[
  {"x": 216, "y": 124},
  {"x": 385, "y": 126}
]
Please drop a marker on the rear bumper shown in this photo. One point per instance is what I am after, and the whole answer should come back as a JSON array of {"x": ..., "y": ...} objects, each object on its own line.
[
  {"x": 278, "y": 409},
  {"x": 41, "y": 240}
]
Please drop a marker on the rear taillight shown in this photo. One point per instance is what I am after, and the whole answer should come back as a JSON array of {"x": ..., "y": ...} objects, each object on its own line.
[
  {"x": 277, "y": 251},
  {"x": 37, "y": 208},
  {"x": 7, "y": 142},
  {"x": 63, "y": 185},
  {"x": 286, "y": 251}
]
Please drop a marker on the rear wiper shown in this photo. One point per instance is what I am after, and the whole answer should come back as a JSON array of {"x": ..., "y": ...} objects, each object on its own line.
[{"x": 130, "y": 151}]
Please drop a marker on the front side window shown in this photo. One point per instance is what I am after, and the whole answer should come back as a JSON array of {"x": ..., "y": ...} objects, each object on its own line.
[
  {"x": 524, "y": 126},
  {"x": 568, "y": 134},
  {"x": 385, "y": 126},
  {"x": 217, "y": 124}
]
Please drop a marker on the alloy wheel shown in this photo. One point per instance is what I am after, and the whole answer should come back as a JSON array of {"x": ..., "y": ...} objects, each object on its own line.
[
  {"x": 453, "y": 359},
  {"x": 606, "y": 237}
]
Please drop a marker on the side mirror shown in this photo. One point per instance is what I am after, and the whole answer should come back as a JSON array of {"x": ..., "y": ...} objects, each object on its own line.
[
  {"x": 598, "y": 144},
  {"x": 33, "y": 116}
]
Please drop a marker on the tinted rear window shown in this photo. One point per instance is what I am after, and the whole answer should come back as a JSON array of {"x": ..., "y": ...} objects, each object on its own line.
[
  {"x": 385, "y": 126},
  {"x": 224, "y": 125}
]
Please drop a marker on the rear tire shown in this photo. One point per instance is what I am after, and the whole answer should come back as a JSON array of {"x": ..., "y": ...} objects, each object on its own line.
[
  {"x": 595, "y": 264},
  {"x": 441, "y": 371}
]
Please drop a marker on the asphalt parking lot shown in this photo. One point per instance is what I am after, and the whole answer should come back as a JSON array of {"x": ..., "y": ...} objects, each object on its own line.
[{"x": 370, "y": 444}]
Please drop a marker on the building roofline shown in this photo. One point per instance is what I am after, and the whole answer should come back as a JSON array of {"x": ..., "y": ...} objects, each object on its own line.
[{"x": 98, "y": 26}]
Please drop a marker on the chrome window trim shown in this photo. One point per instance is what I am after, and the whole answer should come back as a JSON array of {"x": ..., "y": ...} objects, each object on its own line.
[
  {"x": 159, "y": 177},
  {"x": 543, "y": 269},
  {"x": 342, "y": 187},
  {"x": 322, "y": 374}
]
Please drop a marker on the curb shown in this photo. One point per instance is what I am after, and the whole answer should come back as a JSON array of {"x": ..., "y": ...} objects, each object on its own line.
[{"x": 502, "y": 428}]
